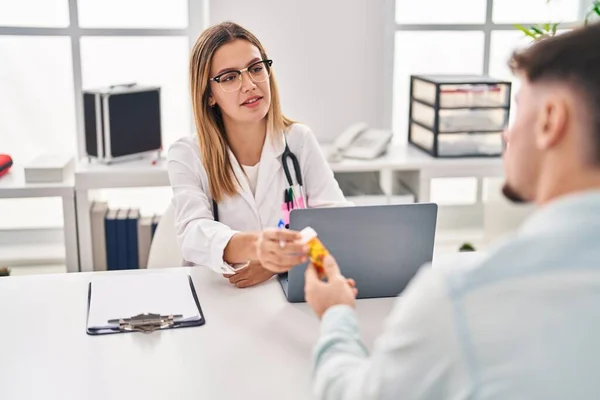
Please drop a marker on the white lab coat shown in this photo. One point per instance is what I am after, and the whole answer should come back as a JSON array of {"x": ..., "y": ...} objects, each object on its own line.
[{"x": 202, "y": 240}]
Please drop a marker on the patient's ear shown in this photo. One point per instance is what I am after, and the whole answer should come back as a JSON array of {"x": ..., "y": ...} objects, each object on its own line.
[{"x": 553, "y": 120}]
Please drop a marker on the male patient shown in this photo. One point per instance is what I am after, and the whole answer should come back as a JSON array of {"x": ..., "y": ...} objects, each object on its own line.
[{"x": 525, "y": 323}]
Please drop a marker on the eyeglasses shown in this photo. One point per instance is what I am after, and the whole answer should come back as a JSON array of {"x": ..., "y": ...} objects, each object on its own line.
[{"x": 230, "y": 81}]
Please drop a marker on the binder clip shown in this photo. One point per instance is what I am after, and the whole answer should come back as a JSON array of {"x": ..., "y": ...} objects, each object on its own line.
[{"x": 146, "y": 323}]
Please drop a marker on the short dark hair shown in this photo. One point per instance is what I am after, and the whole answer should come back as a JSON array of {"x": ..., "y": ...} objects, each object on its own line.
[{"x": 572, "y": 58}]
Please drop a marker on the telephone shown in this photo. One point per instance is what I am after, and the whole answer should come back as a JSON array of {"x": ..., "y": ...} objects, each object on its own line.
[{"x": 357, "y": 141}]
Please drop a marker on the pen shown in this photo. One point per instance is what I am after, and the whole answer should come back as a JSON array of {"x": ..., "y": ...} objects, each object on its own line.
[
  {"x": 285, "y": 199},
  {"x": 292, "y": 198}
]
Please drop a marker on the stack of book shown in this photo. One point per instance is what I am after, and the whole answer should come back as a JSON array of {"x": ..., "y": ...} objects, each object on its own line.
[{"x": 121, "y": 238}]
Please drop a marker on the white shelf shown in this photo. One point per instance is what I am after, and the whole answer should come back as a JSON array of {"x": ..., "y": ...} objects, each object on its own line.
[
  {"x": 145, "y": 172},
  {"x": 32, "y": 254},
  {"x": 413, "y": 167},
  {"x": 407, "y": 158},
  {"x": 38, "y": 269},
  {"x": 13, "y": 185}
]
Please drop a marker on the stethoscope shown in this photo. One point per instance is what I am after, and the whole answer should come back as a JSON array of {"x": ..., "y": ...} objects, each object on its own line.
[{"x": 287, "y": 154}]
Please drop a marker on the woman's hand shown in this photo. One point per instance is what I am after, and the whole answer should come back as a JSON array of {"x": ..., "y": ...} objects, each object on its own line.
[
  {"x": 278, "y": 250},
  {"x": 251, "y": 275}
]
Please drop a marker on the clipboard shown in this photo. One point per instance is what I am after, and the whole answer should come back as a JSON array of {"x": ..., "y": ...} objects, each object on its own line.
[{"x": 145, "y": 322}]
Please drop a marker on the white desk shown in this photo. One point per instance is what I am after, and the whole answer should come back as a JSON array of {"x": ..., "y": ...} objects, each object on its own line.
[
  {"x": 13, "y": 185},
  {"x": 254, "y": 345}
]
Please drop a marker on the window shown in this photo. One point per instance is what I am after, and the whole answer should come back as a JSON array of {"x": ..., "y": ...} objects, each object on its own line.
[
  {"x": 535, "y": 11},
  {"x": 53, "y": 49},
  {"x": 440, "y": 12},
  {"x": 34, "y": 13},
  {"x": 37, "y": 101},
  {"x": 127, "y": 14}
]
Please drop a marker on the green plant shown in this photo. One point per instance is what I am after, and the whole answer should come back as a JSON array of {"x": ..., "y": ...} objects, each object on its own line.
[
  {"x": 594, "y": 10},
  {"x": 537, "y": 32},
  {"x": 466, "y": 247},
  {"x": 540, "y": 31}
]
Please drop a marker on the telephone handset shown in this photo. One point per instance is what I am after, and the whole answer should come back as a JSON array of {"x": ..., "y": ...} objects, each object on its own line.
[{"x": 357, "y": 141}]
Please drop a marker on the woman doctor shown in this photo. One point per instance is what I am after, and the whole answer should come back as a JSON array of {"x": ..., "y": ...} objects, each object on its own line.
[{"x": 229, "y": 183}]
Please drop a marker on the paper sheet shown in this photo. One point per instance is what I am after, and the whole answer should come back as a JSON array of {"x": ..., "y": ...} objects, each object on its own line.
[{"x": 125, "y": 296}]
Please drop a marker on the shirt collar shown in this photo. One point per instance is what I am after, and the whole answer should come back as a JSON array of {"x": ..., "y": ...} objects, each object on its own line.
[
  {"x": 581, "y": 207},
  {"x": 274, "y": 146}
]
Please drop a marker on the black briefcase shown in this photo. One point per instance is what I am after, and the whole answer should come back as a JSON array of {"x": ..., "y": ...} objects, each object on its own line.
[{"x": 122, "y": 122}]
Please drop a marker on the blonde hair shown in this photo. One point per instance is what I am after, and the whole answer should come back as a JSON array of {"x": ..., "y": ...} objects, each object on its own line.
[{"x": 209, "y": 121}]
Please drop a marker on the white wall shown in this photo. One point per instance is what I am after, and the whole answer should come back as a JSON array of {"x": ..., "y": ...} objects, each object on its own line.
[{"x": 328, "y": 56}]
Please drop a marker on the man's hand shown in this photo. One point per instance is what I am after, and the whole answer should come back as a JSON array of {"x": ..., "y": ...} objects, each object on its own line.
[
  {"x": 279, "y": 250},
  {"x": 323, "y": 295},
  {"x": 251, "y": 275}
]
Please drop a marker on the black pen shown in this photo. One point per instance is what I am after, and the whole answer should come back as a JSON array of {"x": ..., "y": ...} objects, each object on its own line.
[{"x": 285, "y": 199}]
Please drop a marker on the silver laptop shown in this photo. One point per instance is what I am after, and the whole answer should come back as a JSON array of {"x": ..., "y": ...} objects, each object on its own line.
[{"x": 380, "y": 247}]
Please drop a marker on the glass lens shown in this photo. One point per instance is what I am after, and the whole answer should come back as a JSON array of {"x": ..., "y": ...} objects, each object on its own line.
[
  {"x": 230, "y": 81},
  {"x": 259, "y": 71}
]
